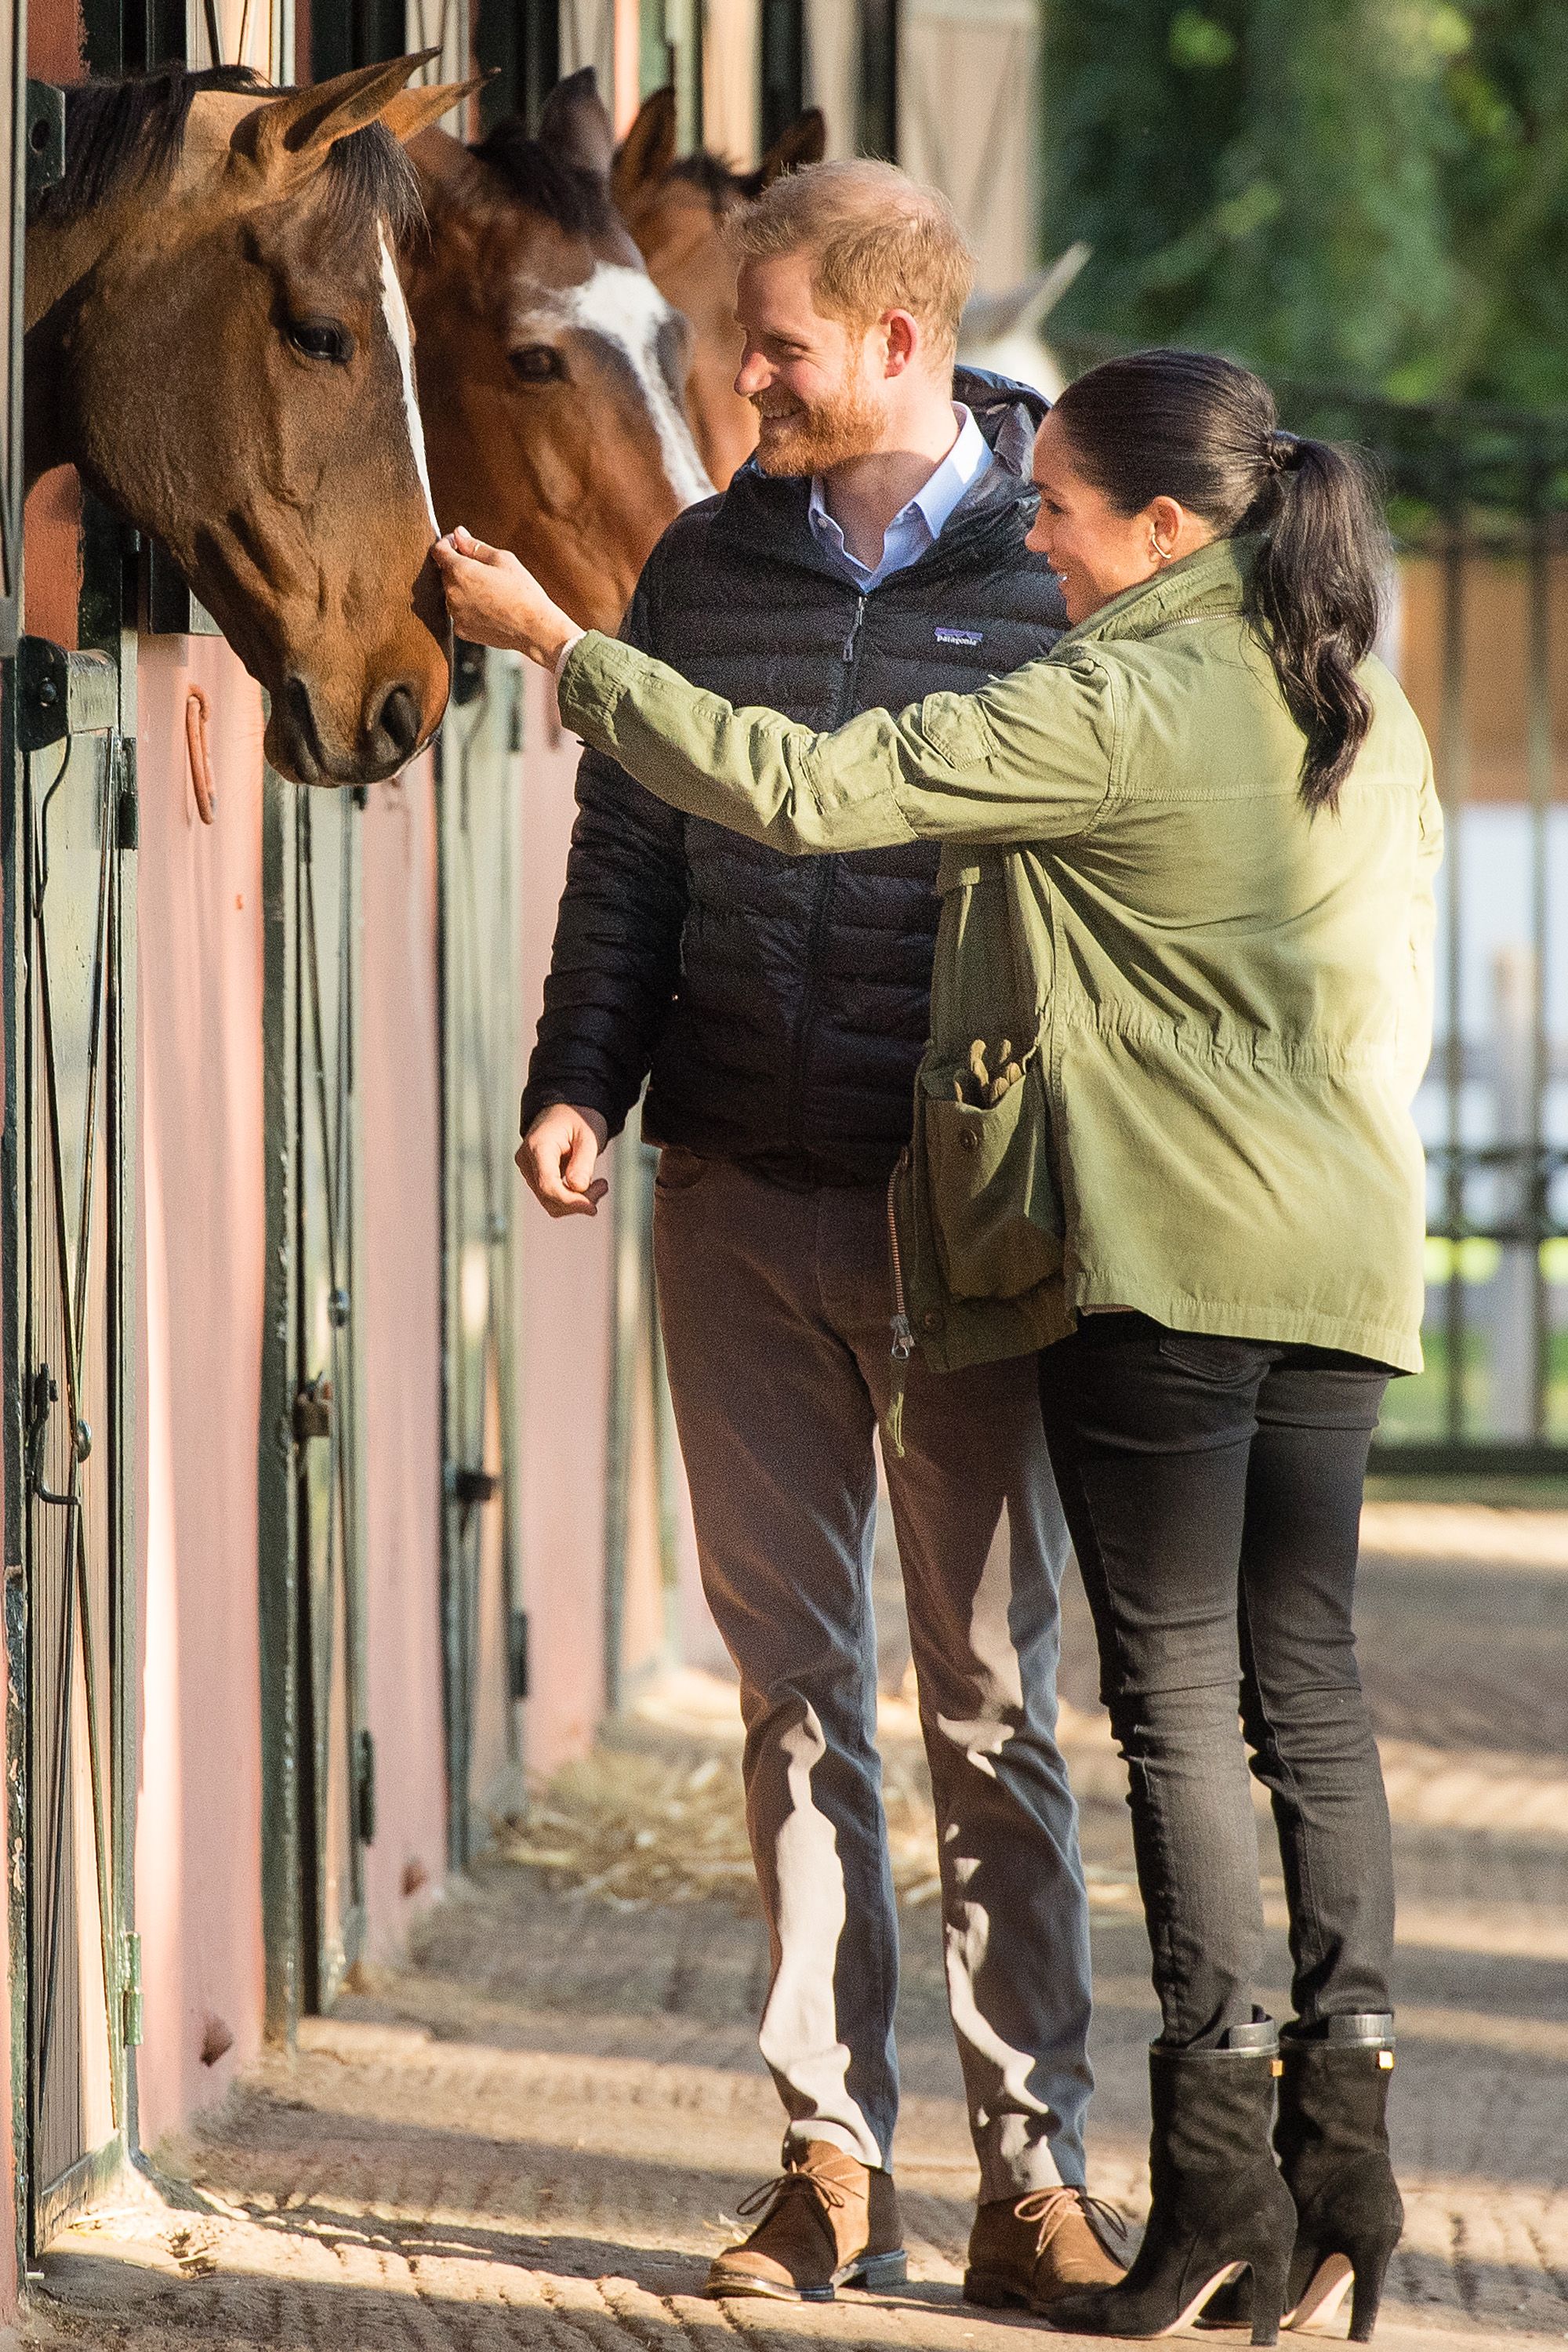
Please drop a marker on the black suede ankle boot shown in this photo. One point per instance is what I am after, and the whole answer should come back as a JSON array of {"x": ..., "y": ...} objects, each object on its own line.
[
  {"x": 1219, "y": 2205},
  {"x": 1332, "y": 2142},
  {"x": 1333, "y": 2138}
]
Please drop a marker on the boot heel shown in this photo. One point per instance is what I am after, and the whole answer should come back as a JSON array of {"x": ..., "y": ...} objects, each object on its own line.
[
  {"x": 877, "y": 2273},
  {"x": 1367, "y": 2294},
  {"x": 1267, "y": 2300}
]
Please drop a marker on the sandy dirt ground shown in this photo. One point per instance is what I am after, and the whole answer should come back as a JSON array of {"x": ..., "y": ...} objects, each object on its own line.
[{"x": 535, "y": 2134}]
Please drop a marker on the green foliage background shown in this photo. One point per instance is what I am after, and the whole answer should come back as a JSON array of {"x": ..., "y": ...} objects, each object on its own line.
[{"x": 1367, "y": 192}]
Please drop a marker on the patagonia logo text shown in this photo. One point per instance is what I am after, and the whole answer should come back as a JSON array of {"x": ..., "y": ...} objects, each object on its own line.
[{"x": 959, "y": 636}]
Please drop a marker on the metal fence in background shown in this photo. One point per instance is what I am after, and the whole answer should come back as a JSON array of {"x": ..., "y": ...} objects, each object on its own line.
[{"x": 1479, "y": 500}]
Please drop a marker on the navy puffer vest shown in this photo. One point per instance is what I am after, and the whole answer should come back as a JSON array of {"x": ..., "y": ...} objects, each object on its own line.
[{"x": 778, "y": 1005}]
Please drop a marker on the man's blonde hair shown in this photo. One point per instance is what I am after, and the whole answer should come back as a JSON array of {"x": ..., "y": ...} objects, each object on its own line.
[{"x": 877, "y": 242}]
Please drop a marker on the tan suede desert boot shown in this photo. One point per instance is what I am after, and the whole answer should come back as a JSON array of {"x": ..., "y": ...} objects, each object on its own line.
[
  {"x": 1028, "y": 2250},
  {"x": 826, "y": 2221}
]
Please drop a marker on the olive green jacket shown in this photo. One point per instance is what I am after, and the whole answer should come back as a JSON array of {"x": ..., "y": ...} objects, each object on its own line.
[{"x": 1177, "y": 1019}]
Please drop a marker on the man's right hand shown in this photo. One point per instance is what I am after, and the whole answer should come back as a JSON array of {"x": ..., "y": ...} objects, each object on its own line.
[{"x": 557, "y": 1157}]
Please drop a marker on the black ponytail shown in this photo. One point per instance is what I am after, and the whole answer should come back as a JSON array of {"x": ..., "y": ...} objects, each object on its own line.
[{"x": 1201, "y": 430}]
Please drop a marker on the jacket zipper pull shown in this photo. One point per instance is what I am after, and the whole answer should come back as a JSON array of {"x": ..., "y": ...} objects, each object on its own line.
[
  {"x": 903, "y": 1346},
  {"x": 903, "y": 1349},
  {"x": 853, "y": 639}
]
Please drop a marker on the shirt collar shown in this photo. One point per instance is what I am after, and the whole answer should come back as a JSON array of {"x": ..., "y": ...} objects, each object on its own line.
[{"x": 933, "y": 503}]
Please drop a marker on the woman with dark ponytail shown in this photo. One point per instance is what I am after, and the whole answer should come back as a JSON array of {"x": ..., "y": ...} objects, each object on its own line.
[{"x": 1182, "y": 1002}]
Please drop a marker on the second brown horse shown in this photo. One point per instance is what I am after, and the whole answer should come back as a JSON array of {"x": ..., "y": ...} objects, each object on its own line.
[{"x": 552, "y": 369}]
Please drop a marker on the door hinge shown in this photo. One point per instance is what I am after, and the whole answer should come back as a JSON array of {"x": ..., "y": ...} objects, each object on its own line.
[
  {"x": 61, "y": 693},
  {"x": 130, "y": 1988},
  {"x": 517, "y": 1653},
  {"x": 128, "y": 807},
  {"x": 364, "y": 1788},
  {"x": 46, "y": 137}
]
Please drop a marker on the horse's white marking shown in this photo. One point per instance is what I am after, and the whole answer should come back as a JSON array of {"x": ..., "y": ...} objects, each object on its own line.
[
  {"x": 626, "y": 306},
  {"x": 402, "y": 333}
]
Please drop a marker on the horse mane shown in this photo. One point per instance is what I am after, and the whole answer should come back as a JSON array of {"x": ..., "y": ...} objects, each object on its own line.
[
  {"x": 121, "y": 134},
  {"x": 575, "y": 199},
  {"x": 719, "y": 180}
]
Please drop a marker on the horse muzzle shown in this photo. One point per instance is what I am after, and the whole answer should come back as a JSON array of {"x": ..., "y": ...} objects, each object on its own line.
[{"x": 309, "y": 740}]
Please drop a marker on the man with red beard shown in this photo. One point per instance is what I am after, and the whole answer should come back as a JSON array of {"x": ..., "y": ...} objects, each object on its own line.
[{"x": 872, "y": 551}]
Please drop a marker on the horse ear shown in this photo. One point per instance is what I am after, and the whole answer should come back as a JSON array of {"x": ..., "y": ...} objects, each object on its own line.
[
  {"x": 285, "y": 137},
  {"x": 413, "y": 111},
  {"x": 645, "y": 155},
  {"x": 576, "y": 125},
  {"x": 805, "y": 142}
]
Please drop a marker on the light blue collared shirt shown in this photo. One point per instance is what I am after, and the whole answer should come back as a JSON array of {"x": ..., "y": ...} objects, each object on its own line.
[{"x": 918, "y": 525}]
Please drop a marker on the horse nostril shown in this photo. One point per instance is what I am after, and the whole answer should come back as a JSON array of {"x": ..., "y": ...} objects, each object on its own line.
[{"x": 398, "y": 722}]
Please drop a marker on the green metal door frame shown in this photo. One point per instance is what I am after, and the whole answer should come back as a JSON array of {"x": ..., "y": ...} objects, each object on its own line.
[
  {"x": 478, "y": 797},
  {"x": 54, "y": 698},
  {"x": 299, "y": 1770}
]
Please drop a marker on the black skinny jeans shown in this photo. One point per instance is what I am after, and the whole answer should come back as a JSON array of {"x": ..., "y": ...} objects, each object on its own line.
[{"x": 1212, "y": 1488}]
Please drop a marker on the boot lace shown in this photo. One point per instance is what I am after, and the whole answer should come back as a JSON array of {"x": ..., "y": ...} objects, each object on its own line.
[
  {"x": 765, "y": 2202},
  {"x": 1051, "y": 2206}
]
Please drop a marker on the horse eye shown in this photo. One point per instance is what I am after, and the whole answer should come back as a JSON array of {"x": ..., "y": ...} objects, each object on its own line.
[
  {"x": 321, "y": 339},
  {"x": 538, "y": 364}
]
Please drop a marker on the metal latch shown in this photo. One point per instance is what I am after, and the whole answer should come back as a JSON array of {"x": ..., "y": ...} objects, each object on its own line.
[
  {"x": 469, "y": 1487},
  {"x": 60, "y": 694},
  {"x": 43, "y": 1395},
  {"x": 312, "y": 1415}
]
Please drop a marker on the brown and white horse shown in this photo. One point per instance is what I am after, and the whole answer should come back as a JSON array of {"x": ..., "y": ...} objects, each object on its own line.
[
  {"x": 218, "y": 339},
  {"x": 674, "y": 210},
  {"x": 551, "y": 368}
]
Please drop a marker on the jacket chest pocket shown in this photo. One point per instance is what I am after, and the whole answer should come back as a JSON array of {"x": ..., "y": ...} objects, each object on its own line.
[{"x": 982, "y": 1135}]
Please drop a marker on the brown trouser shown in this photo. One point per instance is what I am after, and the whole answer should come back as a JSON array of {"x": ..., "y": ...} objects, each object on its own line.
[{"x": 774, "y": 1303}]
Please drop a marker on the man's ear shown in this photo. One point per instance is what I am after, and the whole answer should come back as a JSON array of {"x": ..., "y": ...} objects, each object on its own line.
[{"x": 901, "y": 342}]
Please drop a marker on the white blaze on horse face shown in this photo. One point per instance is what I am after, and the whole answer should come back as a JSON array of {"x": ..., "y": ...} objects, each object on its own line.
[
  {"x": 402, "y": 333},
  {"x": 624, "y": 306}
]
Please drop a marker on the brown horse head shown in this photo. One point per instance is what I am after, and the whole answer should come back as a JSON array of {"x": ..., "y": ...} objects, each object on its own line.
[
  {"x": 675, "y": 210},
  {"x": 551, "y": 368},
  {"x": 218, "y": 339}
]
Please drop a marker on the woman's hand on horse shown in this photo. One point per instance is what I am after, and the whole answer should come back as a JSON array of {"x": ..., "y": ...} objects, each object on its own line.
[{"x": 494, "y": 601}]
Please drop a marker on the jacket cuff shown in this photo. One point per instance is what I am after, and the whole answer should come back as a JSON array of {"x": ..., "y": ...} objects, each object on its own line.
[
  {"x": 586, "y": 687},
  {"x": 541, "y": 1094}
]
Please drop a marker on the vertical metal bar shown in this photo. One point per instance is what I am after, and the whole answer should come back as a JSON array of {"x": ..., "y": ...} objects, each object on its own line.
[
  {"x": 278, "y": 1530},
  {"x": 356, "y": 1470},
  {"x": 1453, "y": 779},
  {"x": 124, "y": 1128},
  {"x": 629, "y": 1195},
  {"x": 446, "y": 999},
  {"x": 507, "y": 723},
  {"x": 16, "y": 1258},
  {"x": 1538, "y": 739},
  {"x": 667, "y": 1461}
]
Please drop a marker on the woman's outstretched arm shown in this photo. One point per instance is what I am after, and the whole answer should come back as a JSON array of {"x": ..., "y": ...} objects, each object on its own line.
[{"x": 1029, "y": 756}]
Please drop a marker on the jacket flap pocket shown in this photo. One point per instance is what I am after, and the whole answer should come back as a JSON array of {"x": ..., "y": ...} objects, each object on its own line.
[{"x": 982, "y": 1136}]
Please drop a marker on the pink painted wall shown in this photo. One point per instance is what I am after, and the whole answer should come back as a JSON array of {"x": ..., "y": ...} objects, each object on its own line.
[
  {"x": 400, "y": 1102},
  {"x": 200, "y": 1227},
  {"x": 565, "y": 1271}
]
